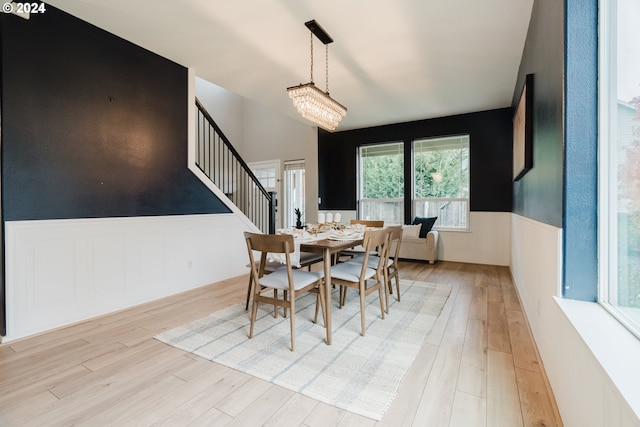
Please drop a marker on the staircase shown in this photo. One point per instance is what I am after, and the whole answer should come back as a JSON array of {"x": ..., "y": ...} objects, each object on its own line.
[{"x": 221, "y": 163}]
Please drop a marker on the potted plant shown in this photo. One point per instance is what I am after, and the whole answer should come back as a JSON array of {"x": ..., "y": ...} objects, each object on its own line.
[{"x": 298, "y": 218}]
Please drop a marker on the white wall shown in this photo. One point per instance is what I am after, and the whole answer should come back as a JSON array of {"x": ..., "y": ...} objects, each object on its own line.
[
  {"x": 585, "y": 391},
  {"x": 60, "y": 272},
  {"x": 273, "y": 136},
  {"x": 225, "y": 107}
]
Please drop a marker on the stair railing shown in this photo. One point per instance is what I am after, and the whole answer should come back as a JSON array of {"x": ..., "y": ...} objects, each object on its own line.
[{"x": 216, "y": 158}]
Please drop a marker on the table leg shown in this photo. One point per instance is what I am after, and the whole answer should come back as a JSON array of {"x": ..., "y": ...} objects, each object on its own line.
[{"x": 327, "y": 287}]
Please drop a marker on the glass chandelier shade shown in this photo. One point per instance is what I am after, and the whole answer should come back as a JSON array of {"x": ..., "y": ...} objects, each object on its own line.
[
  {"x": 312, "y": 103},
  {"x": 316, "y": 105}
]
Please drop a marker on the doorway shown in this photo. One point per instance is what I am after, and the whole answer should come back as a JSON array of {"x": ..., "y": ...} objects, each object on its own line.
[
  {"x": 294, "y": 191},
  {"x": 268, "y": 174}
]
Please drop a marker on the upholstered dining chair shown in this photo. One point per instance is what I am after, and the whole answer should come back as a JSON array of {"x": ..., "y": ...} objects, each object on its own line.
[
  {"x": 358, "y": 250},
  {"x": 362, "y": 277},
  {"x": 292, "y": 282},
  {"x": 307, "y": 259},
  {"x": 390, "y": 263}
]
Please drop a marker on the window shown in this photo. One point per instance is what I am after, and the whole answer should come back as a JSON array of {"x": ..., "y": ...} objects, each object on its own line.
[
  {"x": 267, "y": 175},
  {"x": 293, "y": 191},
  {"x": 381, "y": 186},
  {"x": 441, "y": 181},
  {"x": 619, "y": 151}
]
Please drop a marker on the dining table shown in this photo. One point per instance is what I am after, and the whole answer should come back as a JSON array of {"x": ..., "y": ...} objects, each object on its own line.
[{"x": 329, "y": 247}]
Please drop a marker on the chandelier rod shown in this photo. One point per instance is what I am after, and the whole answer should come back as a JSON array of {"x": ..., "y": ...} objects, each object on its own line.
[
  {"x": 326, "y": 71},
  {"x": 325, "y": 38},
  {"x": 311, "y": 57}
]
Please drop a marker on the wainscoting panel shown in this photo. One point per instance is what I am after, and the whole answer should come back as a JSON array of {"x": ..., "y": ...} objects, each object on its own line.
[
  {"x": 487, "y": 242},
  {"x": 50, "y": 282},
  {"x": 585, "y": 391},
  {"x": 108, "y": 262},
  {"x": 61, "y": 272}
]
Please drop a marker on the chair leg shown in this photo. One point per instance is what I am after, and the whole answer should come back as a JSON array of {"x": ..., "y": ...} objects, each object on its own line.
[
  {"x": 254, "y": 311},
  {"x": 320, "y": 302},
  {"x": 249, "y": 289},
  {"x": 387, "y": 281},
  {"x": 397, "y": 286},
  {"x": 286, "y": 293},
  {"x": 323, "y": 305},
  {"x": 275, "y": 307},
  {"x": 292, "y": 321},
  {"x": 381, "y": 304},
  {"x": 362, "y": 308},
  {"x": 315, "y": 316}
]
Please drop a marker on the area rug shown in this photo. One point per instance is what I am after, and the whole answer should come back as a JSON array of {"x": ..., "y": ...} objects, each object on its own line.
[{"x": 358, "y": 374}]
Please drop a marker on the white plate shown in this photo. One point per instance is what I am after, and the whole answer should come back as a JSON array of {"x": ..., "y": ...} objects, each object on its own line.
[{"x": 345, "y": 237}]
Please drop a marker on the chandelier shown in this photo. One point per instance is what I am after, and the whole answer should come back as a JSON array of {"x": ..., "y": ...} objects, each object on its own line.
[{"x": 311, "y": 102}]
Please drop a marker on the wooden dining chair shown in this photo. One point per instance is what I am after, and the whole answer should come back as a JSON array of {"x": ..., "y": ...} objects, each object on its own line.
[
  {"x": 390, "y": 264},
  {"x": 362, "y": 277},
  {"x": 368, "y": 222},
  {"x": 307, "y": 259},
  {"x": 358, "y": 250},
  {"x": 292, "y": 282}
]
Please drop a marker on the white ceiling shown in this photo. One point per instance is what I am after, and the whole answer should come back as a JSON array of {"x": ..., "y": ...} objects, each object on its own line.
[{"x": 391, "y": 60}]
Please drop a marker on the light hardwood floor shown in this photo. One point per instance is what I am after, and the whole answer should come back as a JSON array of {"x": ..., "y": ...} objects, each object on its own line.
[{"x": 478, "y": 367}]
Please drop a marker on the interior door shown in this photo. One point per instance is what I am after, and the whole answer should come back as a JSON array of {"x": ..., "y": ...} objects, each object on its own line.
[{"x": 268, "y": 173}]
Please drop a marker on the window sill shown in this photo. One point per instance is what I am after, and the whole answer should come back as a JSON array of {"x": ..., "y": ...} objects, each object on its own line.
[
  {"x": 631, "y": 314},
  {"x": 616, "y": 349}
]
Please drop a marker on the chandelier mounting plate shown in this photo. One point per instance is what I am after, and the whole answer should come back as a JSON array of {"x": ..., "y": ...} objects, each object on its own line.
[{"x": 318, "y": 31}]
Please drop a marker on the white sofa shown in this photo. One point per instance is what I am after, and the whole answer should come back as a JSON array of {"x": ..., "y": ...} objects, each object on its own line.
[{"x": 418, "y": 248}]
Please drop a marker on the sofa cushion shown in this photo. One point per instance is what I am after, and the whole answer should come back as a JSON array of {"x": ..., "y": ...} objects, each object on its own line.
[
  {"x": 411, "y": 231},
  {"x": 426, "y": 224}
]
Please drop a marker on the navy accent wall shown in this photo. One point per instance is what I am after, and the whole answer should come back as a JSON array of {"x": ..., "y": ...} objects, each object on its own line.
[
  {"x": 490, "y": 148},
  {"x": 539, "y": 194},
  {"x": 581, "y": 151},
  {"x": 93, "y": 126}
]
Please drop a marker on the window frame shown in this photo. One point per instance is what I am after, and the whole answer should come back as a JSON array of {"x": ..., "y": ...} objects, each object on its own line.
[
  {"x": 360, "y": 179},
  {"x": 607, "y": 165},
  {"x": 438, "y": 225}
]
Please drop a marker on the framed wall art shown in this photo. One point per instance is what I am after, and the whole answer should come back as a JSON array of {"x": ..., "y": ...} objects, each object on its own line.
[{"x": 523, "y": 131}]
